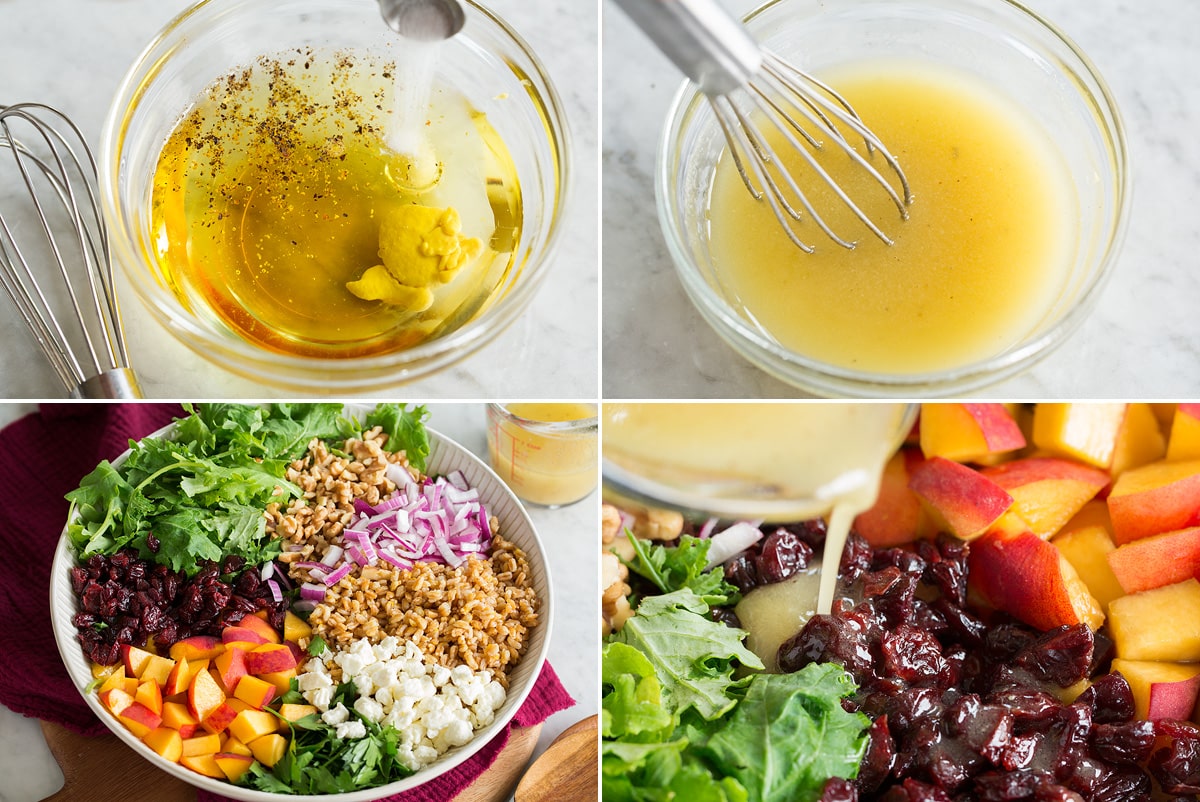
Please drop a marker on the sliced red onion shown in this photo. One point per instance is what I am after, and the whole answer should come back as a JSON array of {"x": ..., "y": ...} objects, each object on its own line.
[
  {"x": 311, "y": 591},
  {"x": 363, "y": 507},
  {"x": 402, "y": 564},
  {"x": 732, "y": 541},
  {"x": 276, "y": 593},
  {"x": 458, "y": 480},
  {"x": 312, "y": 566},
  {"x": 461, "y": 496},
  {"x": 268, "y": 570},
  {"x": 707, "y": 529},
  {"x": 339, "y": 574},
  {"x": 332, "y": 556}
]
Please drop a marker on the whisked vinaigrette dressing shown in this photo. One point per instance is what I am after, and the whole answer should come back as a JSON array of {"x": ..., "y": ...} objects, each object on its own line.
[
  {"x": 977, "y": 265},
  {"x": 270, "y": 195}
]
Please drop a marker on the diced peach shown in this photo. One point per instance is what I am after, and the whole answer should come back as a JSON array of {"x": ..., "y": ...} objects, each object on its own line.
[
  {"x": 295, "y": 627},
  {"x": 241, "y": 635},
  {"x": 1152, "y": 562},
  {"x": 1185, "y": 433},
  {"x": 116, "y": 700},
  {"x": 207, "y": 744},
  {"x": 149, "y": 694},
  {"x": 1047, "y": 491},
  {"x": 139, "y": 719},
  {"x": 1087, "y": 549},
  {"x": 204, "y": 696},
  {"x": 1140, "y": 440},
  {"x": 251, "y": 724},
  {"x": 282, "y": 680},
  {"x": 157, "y": 669},
  {"x": 179, "y": 679},
  {"x": 205, "y": 764},
  {"x": 294, "y": 712},
  {"x": 1094, "y": 513},
  {"x": 102, "y": 671},
  {"x": 259, "y": 625},
  {"x": 897, "y": 516},
  {"x": 219, "y": 719},
  {"x": 238, "y": 704},
  {"x": 1165, "y": 413},
  {"x": 135, "y": 660},
  {"x": 255, "y": 692},
  {"x": 1161, "y": 690},
  {"x": 176, "y": 716},
  {"x": 197, "y": 647},
  {"x": 1083, "y": 431},
  {"x": 269, "y": 658},
  {"x": 298, "y": 654},
  {"x": 166, "y": 741},
  {"x": 231, "y": 664},
  {"x": 114, "y": 680},
  {"x": 234, "y": 746},
  {"x": 959, "y": 500},
  {"x": 1160, "y": 624},
  {"x": 1155, "y": 498},
  {"x": 968, "y": 432},
  {"x": 1022, "y": 574},
  {"x": 268, "y": 749},
  {"x": 233, "y": 765}
]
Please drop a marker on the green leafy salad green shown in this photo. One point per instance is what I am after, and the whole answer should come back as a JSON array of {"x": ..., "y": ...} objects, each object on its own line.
[
  {"x": 687, "y": 714},
  {"x": 318, "y": 762},
  {"x": 201, "y": 492}
]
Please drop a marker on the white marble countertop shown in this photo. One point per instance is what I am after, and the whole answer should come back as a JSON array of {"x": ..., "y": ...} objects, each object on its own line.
[
  {"x": 1143, "y": 339},
  {"x": 74, "y": 54},
  {"x": 28, "y": 771}
]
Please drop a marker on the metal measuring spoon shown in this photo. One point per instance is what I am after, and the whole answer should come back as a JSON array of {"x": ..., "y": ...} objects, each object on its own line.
[{"x": 423, "y": 20}]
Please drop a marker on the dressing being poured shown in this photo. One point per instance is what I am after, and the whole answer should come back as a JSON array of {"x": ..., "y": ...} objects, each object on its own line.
[{"x": 776, "y": 462}]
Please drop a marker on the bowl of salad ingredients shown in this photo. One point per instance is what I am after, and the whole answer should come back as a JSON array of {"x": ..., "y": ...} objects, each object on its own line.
[
  {"x": 1017, "y": 618},
  {"x": 300, "y": 599}
]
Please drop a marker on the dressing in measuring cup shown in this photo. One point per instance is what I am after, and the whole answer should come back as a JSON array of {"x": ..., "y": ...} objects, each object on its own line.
[{"x": 545, "y": 452}]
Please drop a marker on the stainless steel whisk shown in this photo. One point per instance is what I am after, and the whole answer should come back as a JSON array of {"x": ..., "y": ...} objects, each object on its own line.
[
  {"x": 745, "y": 83},
  {"x": 54, "y": 257}
]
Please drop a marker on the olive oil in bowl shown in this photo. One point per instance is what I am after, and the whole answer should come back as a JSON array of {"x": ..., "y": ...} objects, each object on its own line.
[{"x": 270, "y": 195}]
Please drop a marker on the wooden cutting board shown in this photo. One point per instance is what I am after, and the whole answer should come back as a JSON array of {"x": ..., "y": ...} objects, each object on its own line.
[{"x": 105, "y": 769}]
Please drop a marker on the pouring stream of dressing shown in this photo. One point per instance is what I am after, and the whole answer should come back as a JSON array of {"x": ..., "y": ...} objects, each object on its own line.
[{"x": 779, "y": 462}]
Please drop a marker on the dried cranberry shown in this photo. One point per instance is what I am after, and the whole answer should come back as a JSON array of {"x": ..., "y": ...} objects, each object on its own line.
[
  {"x": 1008, "y": 786},
  {"x": 1177, "y": 767},
  {"x": 1126, "y": 785},
  {"x": 879, "y": 758},
  {"x": 839, "y": 790},
  {"x": 1111, "y": 699},
  {"x": 1129, "y": 743},
  {"x": 913, "y": 655},
  {"x": 1028, "y": 707},
  {"x": 826, "y": 639},
  {"x": 1061, "y": 656},
  {"x": 782, "y": 555},
  {"x": 722, "y": 615},
  {"x": 742, "y": 572},
  {"x": 856, "y": 558}
]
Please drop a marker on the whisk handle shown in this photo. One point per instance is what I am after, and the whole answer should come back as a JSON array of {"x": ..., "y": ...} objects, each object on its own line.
[
  {"x": 116, "y": 383},
  {"x": 707, "y": 43}
]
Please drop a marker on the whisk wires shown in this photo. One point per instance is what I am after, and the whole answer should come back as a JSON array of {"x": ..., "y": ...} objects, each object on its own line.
[
  {"x": 807, "y": 114},
  {"x": 58, "y": 223}
]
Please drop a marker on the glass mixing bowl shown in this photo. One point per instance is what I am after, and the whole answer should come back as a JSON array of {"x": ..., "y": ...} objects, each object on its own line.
[
  {"x": 487, "y": 62},
  {"x": 999, "y": 42}
]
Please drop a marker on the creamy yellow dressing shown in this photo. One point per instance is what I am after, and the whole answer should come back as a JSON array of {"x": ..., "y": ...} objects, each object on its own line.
[
  {"x": 975, "y": 268},
  {"x": 778, "y": 461},
  {"x": 771, "y": 614},
  {"x": 547, "y": 465}
]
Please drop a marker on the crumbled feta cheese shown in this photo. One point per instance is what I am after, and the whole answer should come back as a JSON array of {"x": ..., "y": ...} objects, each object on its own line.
[
  {"x": 335, "y": 715},
  {"x": 351, "y": 729},
  {"x": 369, "y": 708},
  {"x": 433, "y": 708}
]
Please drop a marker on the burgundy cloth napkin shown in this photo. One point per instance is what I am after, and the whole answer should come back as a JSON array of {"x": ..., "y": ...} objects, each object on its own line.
[{"x": 42, "y": 458}]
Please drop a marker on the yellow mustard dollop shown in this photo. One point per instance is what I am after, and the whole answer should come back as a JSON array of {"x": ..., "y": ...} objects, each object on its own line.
[{"x": 421, "y": 247}]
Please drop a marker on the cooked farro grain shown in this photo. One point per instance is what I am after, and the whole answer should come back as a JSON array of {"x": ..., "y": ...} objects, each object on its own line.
[{"x": 476, "y": 615}]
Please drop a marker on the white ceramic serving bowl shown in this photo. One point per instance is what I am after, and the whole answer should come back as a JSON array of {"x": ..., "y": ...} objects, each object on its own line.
[{"x": 515, "y": 525}]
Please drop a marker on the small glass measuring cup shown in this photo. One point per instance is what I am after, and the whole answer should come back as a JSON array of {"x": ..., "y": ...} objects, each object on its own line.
[{"x": 545, "y": 452}]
